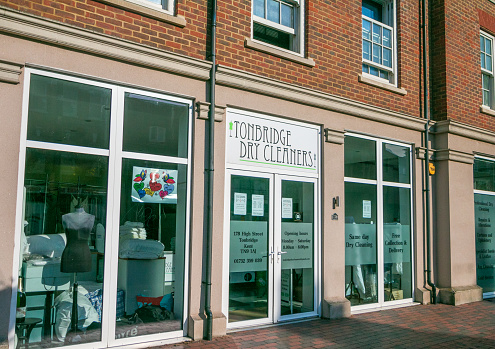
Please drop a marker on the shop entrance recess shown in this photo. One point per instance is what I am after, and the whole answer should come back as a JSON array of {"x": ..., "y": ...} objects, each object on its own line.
[{"x": 272, "y": 228}]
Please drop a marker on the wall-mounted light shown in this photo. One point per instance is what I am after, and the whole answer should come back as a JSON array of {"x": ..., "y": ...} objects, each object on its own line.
[{"x": 336, "y": 202}]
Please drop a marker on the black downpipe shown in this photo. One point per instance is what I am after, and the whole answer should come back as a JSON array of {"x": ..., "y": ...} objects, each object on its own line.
[
  {"x": 209, "y": 177},
  {"x": 433, "y": 295}
]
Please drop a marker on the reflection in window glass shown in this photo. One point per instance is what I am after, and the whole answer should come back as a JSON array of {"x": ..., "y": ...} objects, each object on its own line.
[
  {"x": 397, "y": 243},
  {"x": 248, "y": 274},
  {"x": 360, "y": 158},
  {"x": 396, "y": 163},
  {"x": 67, "y": 112},
  {"x": 361, "y": 285},
  {"x": 484, "y": 174},
  {"x": 151, "y": 247},
  {"x": 155, "y": 126},
  {"x": 62, "y": 242}
]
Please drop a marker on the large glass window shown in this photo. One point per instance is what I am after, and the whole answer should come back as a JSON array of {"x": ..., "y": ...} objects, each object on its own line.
[
  {"x": 484, "y": 216},
  {"x": 75, "y": 173},
  {"x": 378, "y": 38},
  {"x": 377, "y": 221},
  {"x": 279, "y": 23}
]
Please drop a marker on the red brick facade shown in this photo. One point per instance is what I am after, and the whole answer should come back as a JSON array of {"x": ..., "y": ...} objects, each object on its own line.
[
  {"x": 455, "y": 60},
  {"x": 332, "y": 40}
]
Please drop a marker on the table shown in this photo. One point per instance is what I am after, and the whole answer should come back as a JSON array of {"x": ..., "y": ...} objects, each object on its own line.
[{"x": 23, "y": 330}]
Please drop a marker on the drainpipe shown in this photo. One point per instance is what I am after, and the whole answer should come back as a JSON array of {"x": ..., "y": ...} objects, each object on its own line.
[
  {"x": 209, "y": 162},
  {"x": 433, "y": 297}
]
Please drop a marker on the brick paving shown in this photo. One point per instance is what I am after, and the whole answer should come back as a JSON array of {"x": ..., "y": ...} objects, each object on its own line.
[{"x": 423, "y": 326}]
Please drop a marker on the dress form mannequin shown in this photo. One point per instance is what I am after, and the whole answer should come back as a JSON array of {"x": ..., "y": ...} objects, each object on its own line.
[{"x": 76, "y": 257}]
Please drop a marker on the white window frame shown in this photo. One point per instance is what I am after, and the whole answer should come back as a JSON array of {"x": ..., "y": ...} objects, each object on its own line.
[
  {"x": 380, "y": 184},
  {"x": 169, "y": 7},
  {"x": 487, "y": 71},
  {"x": 115, "y": 155},
  {"x": 389, "y": 16},
  {"x": 297, "y": 31}
]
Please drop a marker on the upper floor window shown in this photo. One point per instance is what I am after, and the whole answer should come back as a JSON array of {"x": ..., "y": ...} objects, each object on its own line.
[
  {"x": 486, "y": 52},
  {"x": 379, "y": 43},
  {"x": 167, "y": 5},
  {"x": 279, "y": 23}
]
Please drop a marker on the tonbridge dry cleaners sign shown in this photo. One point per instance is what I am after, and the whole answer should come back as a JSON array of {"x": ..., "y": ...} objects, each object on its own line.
[{"x": 260, "y": 141}]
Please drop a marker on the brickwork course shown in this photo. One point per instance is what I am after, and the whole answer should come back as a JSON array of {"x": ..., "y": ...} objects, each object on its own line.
[
  {"x": 429, "y": 326},
  {"x": 332, "y": 40}
]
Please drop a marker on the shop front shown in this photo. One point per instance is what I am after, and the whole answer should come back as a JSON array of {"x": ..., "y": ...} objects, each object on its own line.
[
  {"x": 103, "y": 206},
  {"x": 272, "y": 220}
]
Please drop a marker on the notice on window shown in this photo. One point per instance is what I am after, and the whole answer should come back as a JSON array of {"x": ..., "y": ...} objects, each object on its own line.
[
  {"x": 286, "y": 207},
  {"x": 240, "y": 204},
  {"x": 366, "y": 209},
  {"x": 152, "y": 185},
  {"x": 258, "y": 205},
  {"x": 484, "y": 215},
  {"x": 248, "y": 246},
  {"x": 360, "y": 244},
  {"x": 397, "y": 241},
  {"x": 297, "y": 242}
]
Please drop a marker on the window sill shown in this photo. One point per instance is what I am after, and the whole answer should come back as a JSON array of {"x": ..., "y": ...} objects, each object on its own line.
[
  {"x": 487, "y": 110},
  {"x": 279, "y": 53},
  {"x": 162, "y": 16},
  {"x": 383, "y": 85}
]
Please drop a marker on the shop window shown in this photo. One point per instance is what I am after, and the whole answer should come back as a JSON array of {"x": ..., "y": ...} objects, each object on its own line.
[
  {"x": 279, "y": 23},
  {"x": 377, "y": 221},
  {"x": 379, "y": 39},
  {"x": 486, "y": 59},
  {"x": 91, "y": 148},
  {"x": 484, "y": 209}
]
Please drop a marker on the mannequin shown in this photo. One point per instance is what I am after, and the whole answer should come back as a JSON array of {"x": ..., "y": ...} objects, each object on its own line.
[{"x": 76, "y": 257}]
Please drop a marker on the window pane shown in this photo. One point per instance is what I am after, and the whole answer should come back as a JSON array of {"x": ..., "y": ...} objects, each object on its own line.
[
  {"x": 377, "y": 36},
  {"x": 67, "y": 112},
  {"x": 259, "y": 8},
  {"x": 361, "y": 277},
  {"x": 488, "y": 47},
  {"x": 287, "y": 16},
  {"x": 387, "y": 57},
  {"x": 396, "y": 163},
  {"x": 384, "y": 74},
  {"x": 486, "y": 98},
  {"x": 483, "y": 64},
  {"x": 485, "y": 244},
  {"x": 372, "y": 10},
  {"x": 488, "y": 63},
  {"x": 366, "y": 68},
  {"x": 374, "y": 71},
  {"x": 386, "y": 38},
  {"x": 482, "y": 44},
  {"x": 367, "y": 50},
  {"x": 484, "y": 175},
  {"x": 273, "y": 9},
  {"x": 272, "y": 36},
  {"x": 152, "y": 246},
  {"x": 63, "y": 241},
  {"x": 359, "y": 158},
  {"x": 155, "y": 126},
  {"x": 397, "y": 243},
  {"x": 377, "y": 53},
  {"x": 366, "y": 29}
]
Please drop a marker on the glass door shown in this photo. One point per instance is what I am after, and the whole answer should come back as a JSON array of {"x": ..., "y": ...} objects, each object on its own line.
[
  {"x": 294, "y": 240},
  {"x": 271, "y": 245}
]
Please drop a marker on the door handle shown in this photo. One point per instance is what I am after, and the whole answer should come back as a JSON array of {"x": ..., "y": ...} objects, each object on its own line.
[{"x": 279, "y": 253}]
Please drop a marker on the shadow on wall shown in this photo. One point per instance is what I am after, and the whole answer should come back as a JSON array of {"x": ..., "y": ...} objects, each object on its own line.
[{"x": 5, "y": 297}]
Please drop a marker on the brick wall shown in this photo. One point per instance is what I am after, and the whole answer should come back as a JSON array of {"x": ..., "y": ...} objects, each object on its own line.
[
  {"x": 455, "y": 69},
  {"x": 333, "y": 34}
]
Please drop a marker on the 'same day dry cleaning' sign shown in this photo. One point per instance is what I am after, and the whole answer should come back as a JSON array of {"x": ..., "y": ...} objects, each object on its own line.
[{"x": 256, "y": 140}]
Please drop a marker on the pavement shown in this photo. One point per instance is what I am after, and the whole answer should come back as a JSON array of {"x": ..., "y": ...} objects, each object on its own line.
[{"x": 421, "y": 326}]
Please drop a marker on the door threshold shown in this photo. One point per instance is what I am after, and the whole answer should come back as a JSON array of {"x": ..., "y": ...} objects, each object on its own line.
[{"x": 280, "y": 323}]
